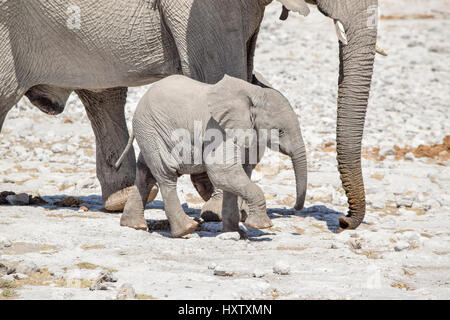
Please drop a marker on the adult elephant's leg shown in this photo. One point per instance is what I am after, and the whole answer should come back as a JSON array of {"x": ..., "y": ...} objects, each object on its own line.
[
  {"x": 6, "y": 104},
  {"x": 11, "y": 90},
  {"x": 133, "y": 214},
  {"x": 105, "y": 110}
]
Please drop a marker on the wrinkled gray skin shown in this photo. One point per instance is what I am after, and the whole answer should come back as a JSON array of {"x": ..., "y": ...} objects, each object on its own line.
[
  {"x": 130, "y": 43},
  {"x": 178, "y": 102}
]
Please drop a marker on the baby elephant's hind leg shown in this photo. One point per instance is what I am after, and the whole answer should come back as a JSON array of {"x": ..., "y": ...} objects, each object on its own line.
[{"x": 133, "y": 214}]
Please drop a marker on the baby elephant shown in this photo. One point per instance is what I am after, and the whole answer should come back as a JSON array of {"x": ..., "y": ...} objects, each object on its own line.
[{"x": 184, "y": 126}]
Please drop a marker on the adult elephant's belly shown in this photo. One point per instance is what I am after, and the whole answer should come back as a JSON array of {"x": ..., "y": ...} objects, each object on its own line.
[
  {"x": 118, "y": 63},
  {"x": 111, "y": 47}
]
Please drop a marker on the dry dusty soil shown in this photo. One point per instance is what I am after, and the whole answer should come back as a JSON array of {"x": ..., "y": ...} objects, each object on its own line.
[{"x": 401, "y": 251}]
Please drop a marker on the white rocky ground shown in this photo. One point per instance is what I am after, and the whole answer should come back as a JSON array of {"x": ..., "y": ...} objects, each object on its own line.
[{"x": 401, "y": 251}]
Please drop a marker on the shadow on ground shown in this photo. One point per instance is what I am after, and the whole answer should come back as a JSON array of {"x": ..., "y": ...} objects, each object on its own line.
[
  {"x": 319, "y": 212},
  {"x": 206, "y": 229}
]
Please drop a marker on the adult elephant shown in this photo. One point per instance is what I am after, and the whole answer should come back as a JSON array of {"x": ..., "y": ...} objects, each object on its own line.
[{"x": 98, "y": 48}]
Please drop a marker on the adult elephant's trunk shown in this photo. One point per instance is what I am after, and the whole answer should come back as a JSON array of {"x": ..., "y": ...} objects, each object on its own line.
[
  {"x": 301, "y": 177},
  {"x": 355, "y": 75}
]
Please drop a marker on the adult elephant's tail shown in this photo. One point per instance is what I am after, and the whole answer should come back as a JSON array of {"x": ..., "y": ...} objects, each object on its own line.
[{"x": 125, "y": 152}]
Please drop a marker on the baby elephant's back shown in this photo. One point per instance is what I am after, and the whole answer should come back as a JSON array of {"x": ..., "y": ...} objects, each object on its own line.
[
  {"x": 178, "y": 98},
  {"x": 172, "y": 107}
]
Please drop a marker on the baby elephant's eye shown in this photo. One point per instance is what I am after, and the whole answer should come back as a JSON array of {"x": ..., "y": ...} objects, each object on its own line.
[{"x": 281, "y": 132}]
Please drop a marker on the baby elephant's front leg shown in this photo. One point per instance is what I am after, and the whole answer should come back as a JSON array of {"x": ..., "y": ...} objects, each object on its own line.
[{"x": 233, "y": 179}]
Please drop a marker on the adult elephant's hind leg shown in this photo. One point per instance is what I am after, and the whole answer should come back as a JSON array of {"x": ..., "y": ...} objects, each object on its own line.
[{"x": 105, "y": 110}]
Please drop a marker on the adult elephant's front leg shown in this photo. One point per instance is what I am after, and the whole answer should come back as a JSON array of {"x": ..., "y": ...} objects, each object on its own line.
[{"x": 105, "y": 110}]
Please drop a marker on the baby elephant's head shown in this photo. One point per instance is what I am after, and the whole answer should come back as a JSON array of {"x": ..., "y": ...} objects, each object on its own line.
[{"x": 237, "y": 104}]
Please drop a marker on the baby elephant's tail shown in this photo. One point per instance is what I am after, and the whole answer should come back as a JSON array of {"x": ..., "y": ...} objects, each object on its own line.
[{"x": 124, "y": 153}]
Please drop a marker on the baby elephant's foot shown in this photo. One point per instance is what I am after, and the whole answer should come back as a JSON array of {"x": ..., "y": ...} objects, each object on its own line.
[
  {"x": 258, "y": 221},
  {"x": 212, "y": 209},
  {"x": 181, "y": 229},
  {"x": 134, "y": 221}
]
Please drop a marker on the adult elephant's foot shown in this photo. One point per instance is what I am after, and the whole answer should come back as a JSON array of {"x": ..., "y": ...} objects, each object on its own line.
[
  {"x": 182, "y": 228},
  {"x": 212, "y": 209},
  {"x": 137, "y": 222},
  {"x": 117, "y": 201},
  {"x": 256, "y": 221}
]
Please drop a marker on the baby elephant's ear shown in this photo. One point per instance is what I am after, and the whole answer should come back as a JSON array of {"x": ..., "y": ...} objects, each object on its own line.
[
  {"x": 299, "y": 6},
  {"x": 229, "y": 104}
]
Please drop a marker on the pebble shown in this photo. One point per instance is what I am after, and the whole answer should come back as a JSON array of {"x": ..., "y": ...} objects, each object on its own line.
[
  {"x": 223, "y": 271},
  {"x": 8, "y": 277},
  {"x": 404, "y": 201},
  {"x": 88, "y": 183},
  {"x": 409, "y": 156},
  {"x": 126, "y": 292},
  {"x": 103, "y": 281},
  {"x": 6, "y": 268},
  {"x": 27, "y": 267},
  {"x": 21, "y": 199},
  {"x": 19, "y": 276},
  {"x": 229, "y": 236},
  {"x": 212, "y": 266},
  {"x": 258, "y": 274},
  {"x": 58, "y": 148},
  {"x": 282, "y": 268},
  {"x": 4, "y": 242},
  {"x": 401, "y": 245},
  {"x": 387, "y": 150},
  {"x": 355, "y": 244}
]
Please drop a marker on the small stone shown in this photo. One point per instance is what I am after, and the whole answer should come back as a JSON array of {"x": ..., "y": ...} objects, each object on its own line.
[
  {"x": 103, "y": 281},
  {"x": 258, "y": 274},
  {"x": 401, "y": 245},
  {"x": 212, "y": 266},
  {"x": 404, "y": 202},
  {"x": 6, "y": 268},
  {"x": 19, "y": 276},
  {"x": 229, "y": 236},
  {"x": 89, "y": 183},
  {"x": 21, "y": 199},
  {"x": 107, "y": 276},
  {"x": 334, "y": 246},
  {"x": 126, "y": 292},
  {"x": 223, "y": 272},
  {"x": 8, "y": 277},
  {"x": 387, "y": 150},
  {"x": 354, "y": 244},
  {"x": 58, "y": 148},
  {"x": 409, "y": 156},
  {"x": 83, "y": 209},
  {"x": 282, "y": 268},
  {"x": 4, "y": 242},
  {"x": 27, "y": 267}
]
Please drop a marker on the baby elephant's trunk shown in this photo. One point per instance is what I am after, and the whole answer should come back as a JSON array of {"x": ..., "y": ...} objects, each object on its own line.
[{"x": 124, "y": 153}]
